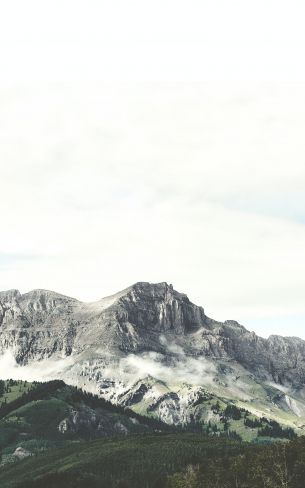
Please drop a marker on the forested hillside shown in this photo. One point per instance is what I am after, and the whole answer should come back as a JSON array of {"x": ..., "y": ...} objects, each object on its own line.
[
  {"x": 55, "y": 436},
  {"x": 39, "y": 416}
]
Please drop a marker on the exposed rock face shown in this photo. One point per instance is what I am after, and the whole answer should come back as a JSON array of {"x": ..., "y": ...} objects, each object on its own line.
[
  {"x": 41, "y": 323},
  {"x": 37, "y": 324},
  {"x": 151, "y": 331},
  {"x": 21, "y": 453},
  {"x": 85, "y": 420}
]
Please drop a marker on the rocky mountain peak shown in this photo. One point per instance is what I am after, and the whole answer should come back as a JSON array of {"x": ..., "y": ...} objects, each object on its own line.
[
  {"x": 9, "y": 295},
  {"x": 158, "y": 291},
  {"x": 146, "y": 331},
  {"x": 160, "y": 308}
]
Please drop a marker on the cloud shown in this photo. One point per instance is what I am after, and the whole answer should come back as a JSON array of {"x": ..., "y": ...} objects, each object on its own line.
[
  {"x": 103, "y": 185},
  {"x": 198, "y": 371},
  {"x": 48, "y": 368},
  {"x": 128, "y": 370},
  {"x": 165, "y": 41}
]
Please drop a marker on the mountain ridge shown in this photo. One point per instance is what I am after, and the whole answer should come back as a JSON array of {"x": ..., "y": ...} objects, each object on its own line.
[
  {"x": 152, "y": 330},
  {"x": 45, "y": 291}
]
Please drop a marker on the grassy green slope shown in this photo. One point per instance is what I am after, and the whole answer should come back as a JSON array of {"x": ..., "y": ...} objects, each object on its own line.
[
  {"x": 180, "y": 460},
  {"x": 176, "y": 460},
  {"x": 143, "y": 460},
  {"x": 10, "y": 390}
]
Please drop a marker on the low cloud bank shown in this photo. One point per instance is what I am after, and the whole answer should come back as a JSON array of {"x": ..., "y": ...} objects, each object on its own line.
[
  {"x": 37, "y": 371},
  {"x": 197, "y": 371}
]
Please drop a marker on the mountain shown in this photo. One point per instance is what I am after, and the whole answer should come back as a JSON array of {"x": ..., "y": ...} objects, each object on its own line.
[{"x": 151, "y": 349}]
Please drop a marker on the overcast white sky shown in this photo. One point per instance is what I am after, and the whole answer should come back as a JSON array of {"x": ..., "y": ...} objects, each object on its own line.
[{"x": 156, "y": 141}]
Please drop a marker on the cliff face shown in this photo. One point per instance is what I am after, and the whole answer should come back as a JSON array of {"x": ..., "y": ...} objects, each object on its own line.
[
  {"x": 150, "y": 331},
  {"x": 37, "y": 324},
  {"x": 41, "y": 323}
]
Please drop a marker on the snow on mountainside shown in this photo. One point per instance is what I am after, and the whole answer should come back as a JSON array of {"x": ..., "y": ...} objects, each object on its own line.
[{"x": 149, "y": 348}]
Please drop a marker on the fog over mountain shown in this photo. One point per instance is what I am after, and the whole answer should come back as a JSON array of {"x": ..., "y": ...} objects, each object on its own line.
[{"x": 148, "y": 347}]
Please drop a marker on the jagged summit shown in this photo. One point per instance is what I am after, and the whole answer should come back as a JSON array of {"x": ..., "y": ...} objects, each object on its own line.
[
  {"x": 33, "y": 294},
  {"x": 7, "y": 294},
  {"x": 143, "y": 287},
  {"x": 47, "y": 323},
  {"x": 131, "y": 319}
]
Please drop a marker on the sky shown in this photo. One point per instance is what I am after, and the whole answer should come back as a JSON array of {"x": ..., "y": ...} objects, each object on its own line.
[{"x": 156, "y": 141}]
